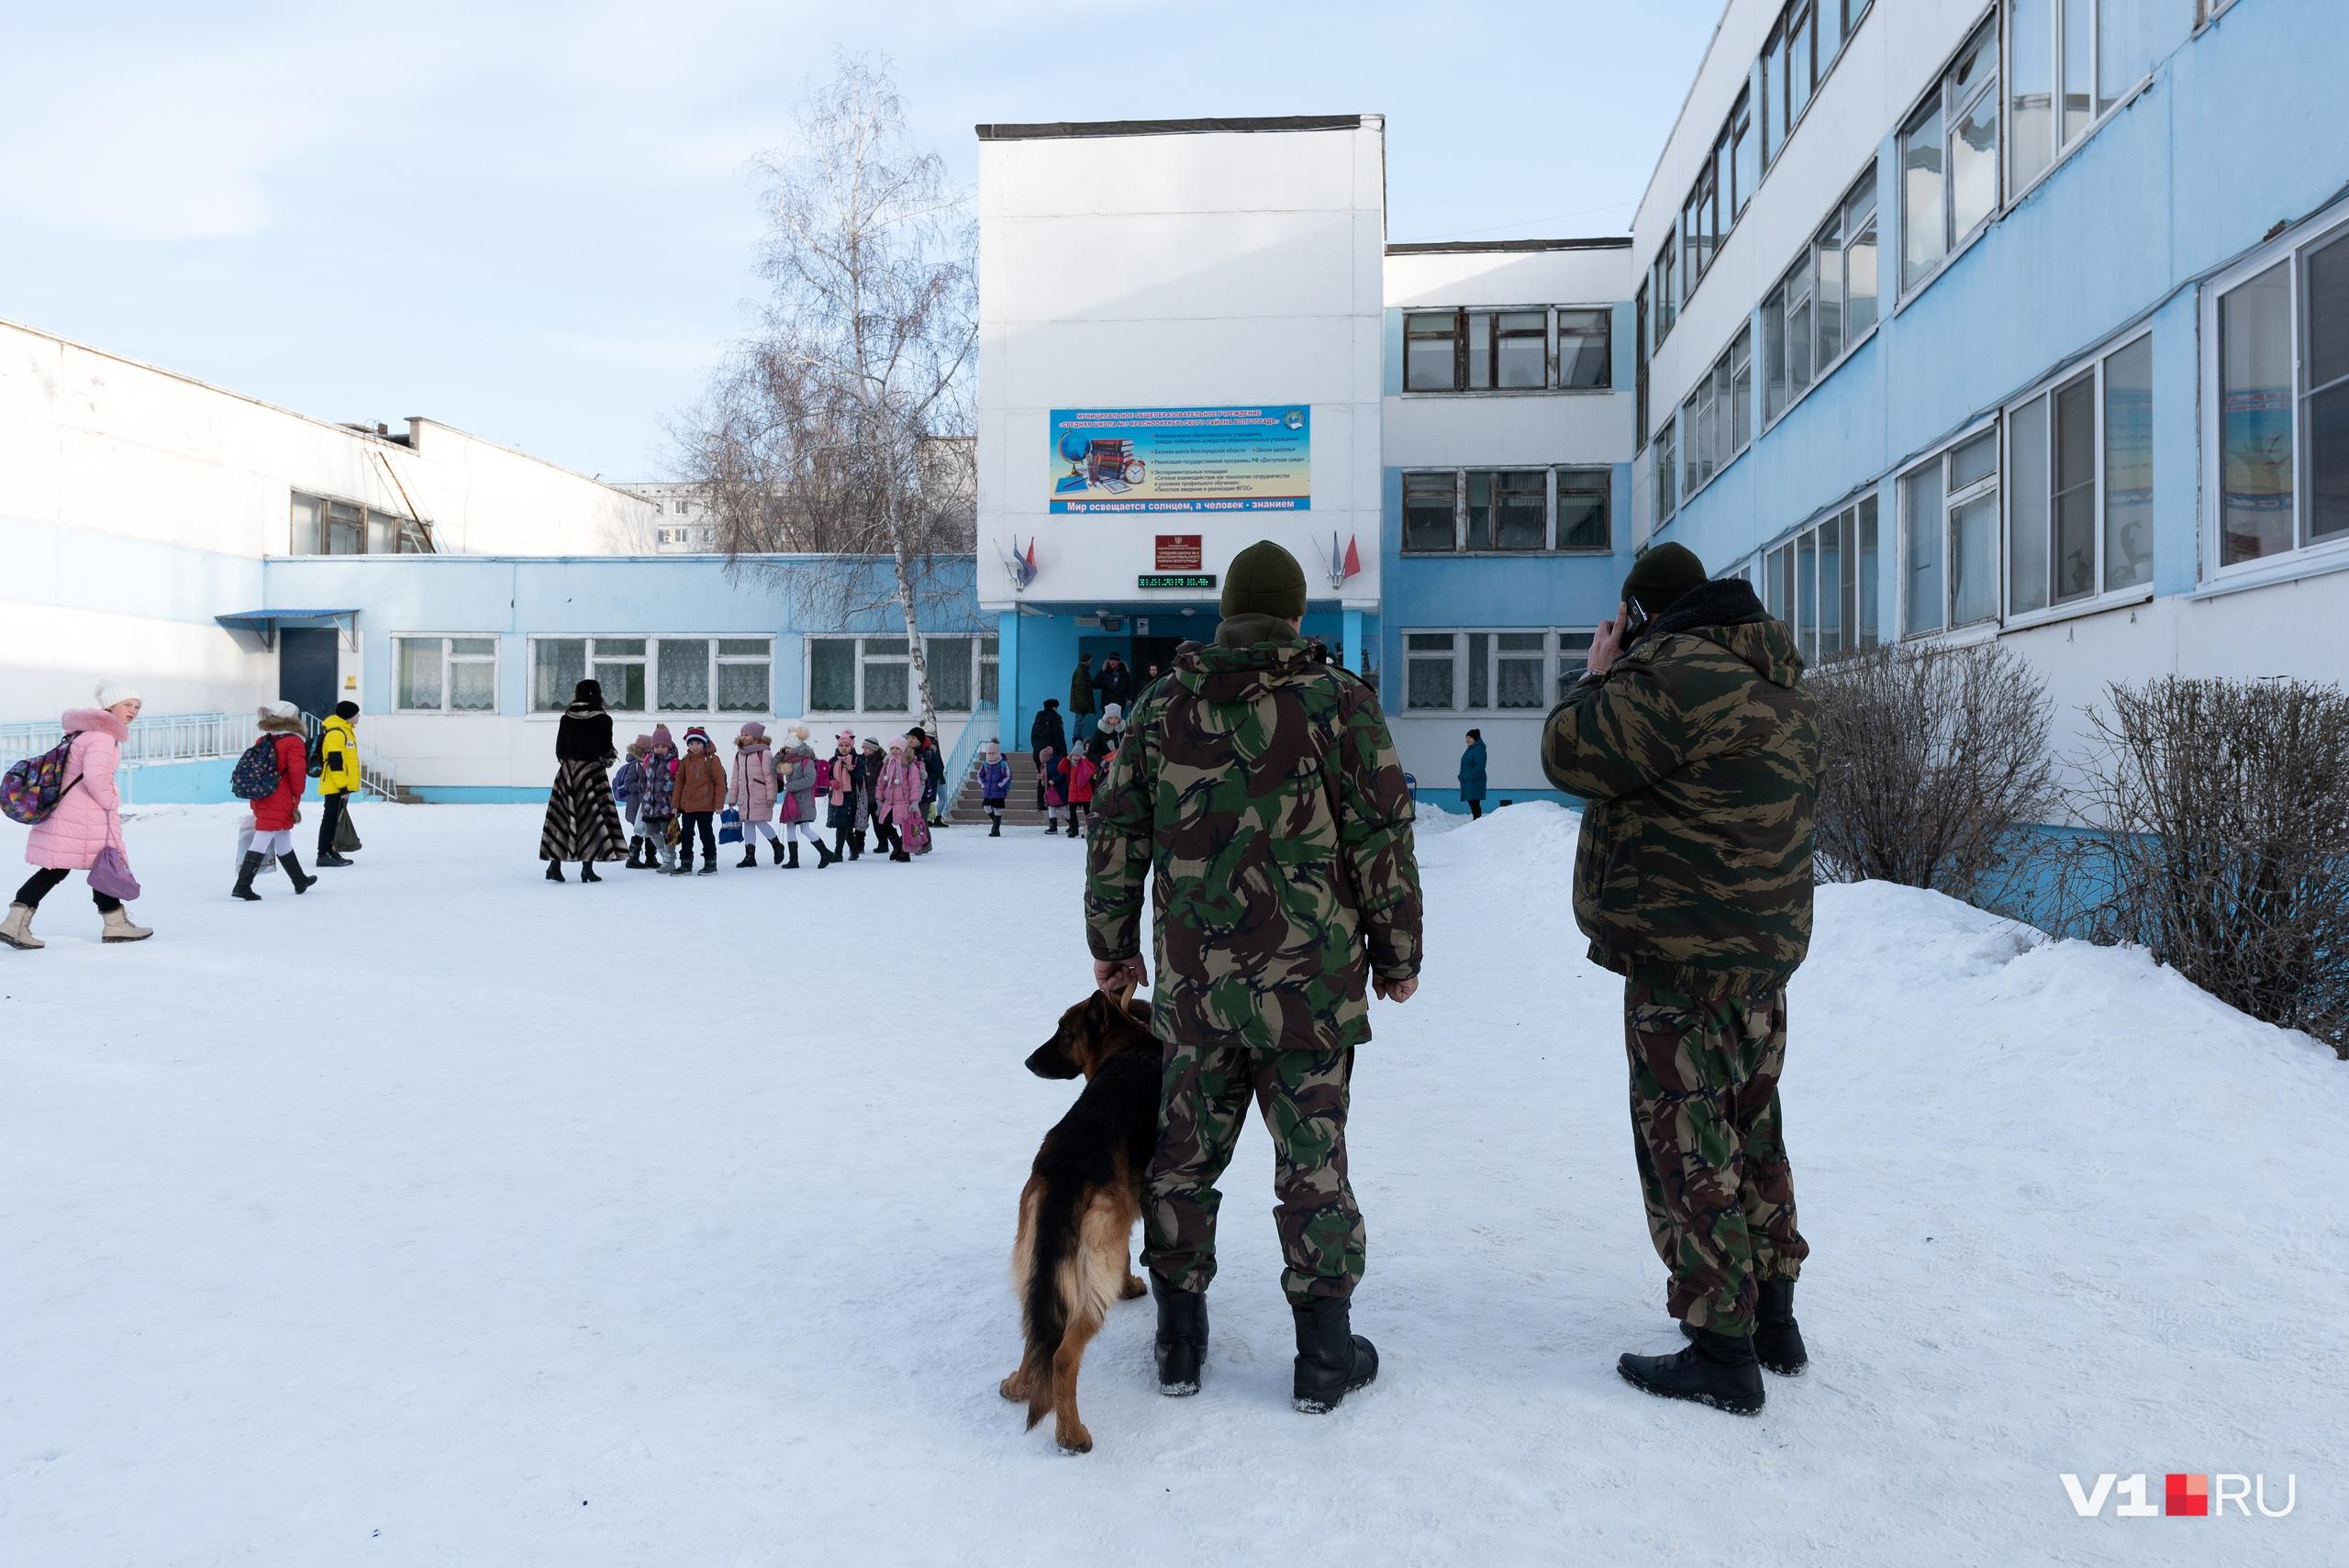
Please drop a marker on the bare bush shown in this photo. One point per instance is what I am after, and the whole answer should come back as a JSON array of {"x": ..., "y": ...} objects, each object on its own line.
[
  {"x": 1932, "y": 762},
  {"x": 2223, "y": 842}
]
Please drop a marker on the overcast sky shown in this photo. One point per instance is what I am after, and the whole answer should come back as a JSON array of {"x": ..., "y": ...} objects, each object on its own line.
[{"x": 535, "y": 221}]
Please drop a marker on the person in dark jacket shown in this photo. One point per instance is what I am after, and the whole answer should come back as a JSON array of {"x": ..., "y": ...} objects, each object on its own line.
[
  {"x": 1106, "y": 739},
  {"x": 1080, "y": 696},
  {"x": 933, "y": 774},
  {"x": 1472, "y": 775},
  {"x": 1696, "y": 750},
  {"x": 1047, "y": 734},
  {"x": 581, "y": 824},
  {"x": 1115, "y": 683}
]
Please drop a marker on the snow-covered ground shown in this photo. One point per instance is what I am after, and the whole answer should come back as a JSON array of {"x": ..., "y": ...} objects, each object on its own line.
[{"x": 443, "y": 1216}]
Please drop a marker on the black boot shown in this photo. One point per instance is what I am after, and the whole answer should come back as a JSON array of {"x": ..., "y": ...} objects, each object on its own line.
[
  {"x": 294, "y": 874},
  {"x": 995, "y": 828},
  {"x": 1332, "y": 1361},
  {"x": 749, "y": 855},
  {"x": 633, "y": 846},
  {"x": 332, "y": 859},
  {"x": 587, "y": 872},
  {"x": 774, "y": 852},
  {"x": 555, "y": 870},
  {"x": 1778, "y": 1338},
  {"x": 824, "y": 857},
  {"x": 1181, "y": 1347},
  {"x": 245, "y": 875},
  {"x": 857, "y": 845},
  {"x": 684, "y": 859},
  {"x": 793, "y": 863},
  {"x": 1716, "y": 1369}
]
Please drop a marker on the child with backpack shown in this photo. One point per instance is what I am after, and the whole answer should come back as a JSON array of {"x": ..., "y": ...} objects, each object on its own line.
[
  {"x": 68, "y": 796},
  {"x": 1079, "y": 771},
  {"x": 995, "y": 785},
  {"x": 271, "y": 774}
]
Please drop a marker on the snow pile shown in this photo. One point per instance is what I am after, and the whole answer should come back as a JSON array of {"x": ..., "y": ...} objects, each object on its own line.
[{"x": 447, "y": 1215}]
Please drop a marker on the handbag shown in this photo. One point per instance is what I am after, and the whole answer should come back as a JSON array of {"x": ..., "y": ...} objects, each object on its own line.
[
  {"x": 729, "y": 827},
  {"x": 346, "y": 837},
  {"x": 110, "y": 875},
  {"x": 790, "y": 806}
]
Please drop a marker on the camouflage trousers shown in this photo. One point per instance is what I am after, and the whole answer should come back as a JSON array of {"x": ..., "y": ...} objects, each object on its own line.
[
  {"x": 1712, "y": 1158},
  {"x": 1203, "y": 1102}
]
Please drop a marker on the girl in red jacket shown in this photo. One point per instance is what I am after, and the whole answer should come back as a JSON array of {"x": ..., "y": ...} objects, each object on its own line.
[
  {"x": 1078, "y": 770},
  {"x": 275, "y": 813}
]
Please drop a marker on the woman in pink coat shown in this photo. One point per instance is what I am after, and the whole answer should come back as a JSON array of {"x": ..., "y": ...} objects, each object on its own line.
[
  {"x": 88, "y": 818},
  {"x": 897, "y": 799}
]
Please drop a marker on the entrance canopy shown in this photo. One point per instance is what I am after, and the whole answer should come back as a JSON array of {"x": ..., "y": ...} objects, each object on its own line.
[{"x": 264, "y": 624}]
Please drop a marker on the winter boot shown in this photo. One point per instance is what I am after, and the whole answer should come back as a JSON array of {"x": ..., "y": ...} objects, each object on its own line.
[
  {"x": 793, "y": 863},
  {"x": 635, "y": 847},
  {"x": 304, "y": 883},
  {"x": 685, "y": 866},
  {"x": 1181, "y": 1347},
  {"x": 995, "y": 827},
  {"x": 16, "y": 930},
  {"x": 120, "y": 930},
  {"x": 749, "y": 855},
  {"x": 857, "y": 845},
  {"x": 245, "y": 875},
  {"x": 1716, "y": 1369},
  {"x": 1332, "y": 1359},
  {"x": 825, "y": 857},
  {"x": 555, "y": 870},
  {"x": 332, "y": 859},
  {"x": 709, "y": 864},
  {"x": 587, "y": 872},
  {"x": 1777, "y": 1337}
]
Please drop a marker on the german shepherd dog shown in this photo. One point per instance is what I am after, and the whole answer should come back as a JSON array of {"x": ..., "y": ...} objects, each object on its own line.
[{"x": 1083, "y": 1193}]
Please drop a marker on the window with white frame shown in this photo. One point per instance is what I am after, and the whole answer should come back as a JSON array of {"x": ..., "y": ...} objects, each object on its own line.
[
  {"x": 2080, "y": 482},
  {"x": 1508, "y": 511},
  {"x": 1717, "y": 420},
  {"x": 2279, "y": 339},
  {"x": 1498, "y": 671},
  {"x": 1825, "y": 304},
  {"x": 1949, "y": 159},
  {"x": 1668, "y": 474},
  {"x": 2069, "y": 63},
  {"x": 1949, "y": 530},
  {"x": 656, "y": 674},
  {"x": 444, "y": 674},
  {"x": 1507, "y": 350},
  {"x": 875, "y": 674},
  {"x": 1822, "y": 582}
]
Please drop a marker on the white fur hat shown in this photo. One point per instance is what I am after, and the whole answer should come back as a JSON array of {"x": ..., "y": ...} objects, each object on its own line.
[
  {"x": 113, "y": 692},
  {"x": 280, "y": 710}
]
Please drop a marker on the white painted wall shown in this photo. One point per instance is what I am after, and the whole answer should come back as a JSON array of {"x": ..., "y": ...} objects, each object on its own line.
[
  {"x": 1171, "y": 270},
  {"x": 136, "y": 505}
]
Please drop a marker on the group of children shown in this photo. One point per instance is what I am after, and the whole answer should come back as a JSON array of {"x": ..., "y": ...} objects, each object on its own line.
[
  {"x": 669, "y": 799},
  {"x": 1065, "y": 783}
]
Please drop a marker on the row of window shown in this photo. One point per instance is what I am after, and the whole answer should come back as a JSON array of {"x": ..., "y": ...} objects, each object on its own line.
[
  {"x": 2281, "y": 436},
  {"x": 1525, "y": 349},
  {"x": 1492, "y": 672},
  {"x": 693, "y": 675},
  {"x": 685, "y": 536},
  {"x": 1822, "y": 582},
  {"x": 2068, "y": 63},
  {"x": 1525, "y": 510},
  {"x": 324, "y": 527},
  {"x": 1803, "y": 46}
]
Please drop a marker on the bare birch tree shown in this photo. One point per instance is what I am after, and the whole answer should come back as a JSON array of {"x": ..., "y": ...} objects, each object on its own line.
[{"x": 842, "y": 426}]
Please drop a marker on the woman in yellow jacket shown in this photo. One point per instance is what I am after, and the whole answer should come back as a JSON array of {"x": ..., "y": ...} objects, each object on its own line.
[{"x": 338, "y": 776}]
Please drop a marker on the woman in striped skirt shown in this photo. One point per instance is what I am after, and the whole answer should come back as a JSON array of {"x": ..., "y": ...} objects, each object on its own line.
[{"x": 582, "y": 823}]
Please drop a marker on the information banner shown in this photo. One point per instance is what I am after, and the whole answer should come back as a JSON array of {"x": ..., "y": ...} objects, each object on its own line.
[{"x": 1182, "y": 460}]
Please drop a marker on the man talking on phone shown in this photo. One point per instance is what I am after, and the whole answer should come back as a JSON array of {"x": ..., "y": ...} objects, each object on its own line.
[{"x": 1696, "y": 752}]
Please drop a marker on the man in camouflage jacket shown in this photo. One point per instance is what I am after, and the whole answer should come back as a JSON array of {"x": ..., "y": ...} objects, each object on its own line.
[
  {"x": 1258, "y": 794},
  {"x": 1697, "y": 753}
]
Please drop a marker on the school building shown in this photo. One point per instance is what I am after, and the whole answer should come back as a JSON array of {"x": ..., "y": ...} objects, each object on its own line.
[{"x": 1947, "y": 320}]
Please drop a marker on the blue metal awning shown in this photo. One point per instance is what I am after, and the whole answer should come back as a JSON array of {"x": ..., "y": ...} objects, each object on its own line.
[{"x": 265, "y": 623}]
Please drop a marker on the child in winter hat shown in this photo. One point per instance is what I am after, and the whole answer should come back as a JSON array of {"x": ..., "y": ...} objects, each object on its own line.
[
  {"x": 1048, "y": 790},
  {"x": 994, "y": 784},
  {"x": 113, "y": 692},
  {"x": 628, "y": 790}
]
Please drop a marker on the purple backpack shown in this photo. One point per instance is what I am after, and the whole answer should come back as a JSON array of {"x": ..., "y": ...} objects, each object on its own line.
[{"x": 33, "y": 788}]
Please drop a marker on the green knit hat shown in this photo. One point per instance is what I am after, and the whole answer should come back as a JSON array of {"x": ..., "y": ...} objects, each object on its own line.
[
  {"x": 1264, "y": 580},
  {"x": 1661, "y": 577}
]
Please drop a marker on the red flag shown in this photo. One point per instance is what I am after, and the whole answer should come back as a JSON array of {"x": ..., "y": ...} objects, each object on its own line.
[
  {"x": 1029, "y": 575},
  {"x": 1353, "y": 559}
]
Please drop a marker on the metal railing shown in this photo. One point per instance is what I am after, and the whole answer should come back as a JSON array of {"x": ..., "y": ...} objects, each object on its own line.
[
  {"x": 965, "y": 754},
  {"x": 375, "y": 774},
  {"x": 159, "y": 738}
]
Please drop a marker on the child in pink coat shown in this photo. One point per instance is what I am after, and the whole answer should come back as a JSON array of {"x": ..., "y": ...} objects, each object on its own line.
[
  {"x": 1048, "y": 789},
  {"x": 898, "y": 800},
  {"x": 1079, "y": 772},
  {"x": 87, "y": 819}
]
